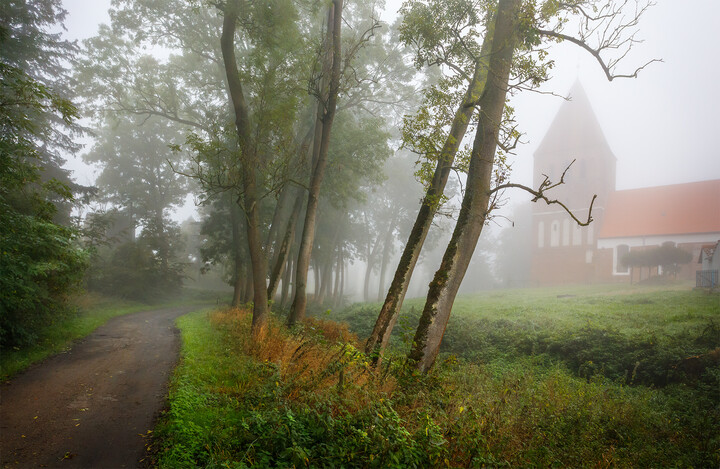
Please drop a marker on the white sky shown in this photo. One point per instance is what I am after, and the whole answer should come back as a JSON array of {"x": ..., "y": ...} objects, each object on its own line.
[{"x": 661, "y": 126}]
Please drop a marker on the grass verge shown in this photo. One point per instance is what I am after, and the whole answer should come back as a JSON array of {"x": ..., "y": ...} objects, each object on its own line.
[
  {"x": 307, "y": 398},
  {"x": 92, "y": 311}
]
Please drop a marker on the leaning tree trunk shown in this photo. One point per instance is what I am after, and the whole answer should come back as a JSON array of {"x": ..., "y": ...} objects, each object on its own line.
[
  {"x": 380, "y": 336},
  {"x": 280, "y": 216},
  {"x": 474, "y": 210},
  {"x": 285, "y": 208},
  {"x": 334, "y": 56},
  {"x": 249, "y": 164},
  {"x": 283, "y": 251}
]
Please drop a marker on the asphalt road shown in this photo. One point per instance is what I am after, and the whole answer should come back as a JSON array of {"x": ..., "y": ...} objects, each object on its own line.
[{"x": 92, "y": 406}]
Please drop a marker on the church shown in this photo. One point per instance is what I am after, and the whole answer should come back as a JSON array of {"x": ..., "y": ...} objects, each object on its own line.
[{"x": 563, "y": 252}]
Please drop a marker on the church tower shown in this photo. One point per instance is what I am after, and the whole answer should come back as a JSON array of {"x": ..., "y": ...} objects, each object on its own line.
[{"x": 563, "y": 252}]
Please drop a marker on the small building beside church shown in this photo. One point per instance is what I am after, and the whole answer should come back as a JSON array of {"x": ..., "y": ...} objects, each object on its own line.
[{"x": 687, "y": 215}]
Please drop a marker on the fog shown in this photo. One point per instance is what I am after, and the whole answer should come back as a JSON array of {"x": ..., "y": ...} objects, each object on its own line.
[{"x": 660, "y": 127}]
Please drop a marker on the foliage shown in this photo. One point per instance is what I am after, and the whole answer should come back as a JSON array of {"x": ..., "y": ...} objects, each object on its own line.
[
  {"x": 39, "y": 260},
  {"x": 137, "y": 270},
  {"x": 309, "y": 399},
  {"x": 138, "y": 180},
  {"x": 668, "y": 256},
  {"x": 40, "y": 266}
]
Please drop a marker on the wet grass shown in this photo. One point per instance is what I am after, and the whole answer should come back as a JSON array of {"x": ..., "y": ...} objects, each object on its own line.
[{"x": 528, "y": 379}]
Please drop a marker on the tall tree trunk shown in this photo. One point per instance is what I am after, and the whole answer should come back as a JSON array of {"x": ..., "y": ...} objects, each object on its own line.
[
  {"x": 372, "y": 254},
  {"x": 285, "y": 208},
  {"x": 338, "y": 269},
  {"x": 343, "y": 270},
  {"x": 249, "y": 163},
  {"x": 287, "y": 280},
  {"x": 325, "y": 266},
  {"x": 380, "y": 336},
  {"x": 239, "y": 280},
  {"x": 248, "y": 290},
  {"x": 280, "y": 217},
  {"x": 473, "y": 212},
  {"x": 283, "y": 252},
  {"x": 387, "y": 248},
  {"x": 366, "y": 283},
  {"x": 334, "y": 56},
  {"x": 316, "y": 275}
]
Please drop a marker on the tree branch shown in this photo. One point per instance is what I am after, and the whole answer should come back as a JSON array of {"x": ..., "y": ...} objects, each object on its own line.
[
  {"x": 539, "y": 194},
  {"x": 596, "y": 53}
]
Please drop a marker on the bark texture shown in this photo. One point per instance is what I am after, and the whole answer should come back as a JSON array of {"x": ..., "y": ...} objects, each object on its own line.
[
  {"x": 249, "y": 163},
  {"x": 474, "y": 209},
  {"x": 327, "y": 111},
  {"x": 380, "y": 336}
]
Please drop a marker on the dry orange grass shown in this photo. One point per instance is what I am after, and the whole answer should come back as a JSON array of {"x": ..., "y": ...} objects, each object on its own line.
[{"x": 320, "y": 357}]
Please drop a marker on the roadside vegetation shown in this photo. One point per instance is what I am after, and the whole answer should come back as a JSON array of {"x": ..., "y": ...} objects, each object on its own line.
[
  {"x": 85, "y": 313},
  {"x": 602, "y": 378}
]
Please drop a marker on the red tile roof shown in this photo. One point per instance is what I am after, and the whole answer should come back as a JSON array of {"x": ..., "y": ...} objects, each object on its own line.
[{"x": 676, "y": 209}]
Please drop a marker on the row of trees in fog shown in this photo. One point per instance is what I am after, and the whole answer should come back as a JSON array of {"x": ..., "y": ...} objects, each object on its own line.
[{"x": 311, "y": 135}]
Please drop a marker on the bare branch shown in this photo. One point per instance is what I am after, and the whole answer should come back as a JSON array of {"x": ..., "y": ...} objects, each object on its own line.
[
  {"x": 596, "y": 53},
  {"x": 539, "y": 194},
  {"x": 609, "y": 28}
]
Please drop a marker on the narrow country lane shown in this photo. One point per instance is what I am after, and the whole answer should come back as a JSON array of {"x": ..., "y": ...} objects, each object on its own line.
[{"x": 92, "y": 406}]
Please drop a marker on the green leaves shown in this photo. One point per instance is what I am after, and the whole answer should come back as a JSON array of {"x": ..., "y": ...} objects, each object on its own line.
[
  {"x": 443, "y": 31},
  {"x": 39, "y": 265}
]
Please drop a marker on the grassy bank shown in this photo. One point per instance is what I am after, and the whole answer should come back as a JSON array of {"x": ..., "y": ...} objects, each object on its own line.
[
  {"x": 308, "y": 398},
  {"x": 92, "y": 311},
  {"x": 625, "y": 333}
]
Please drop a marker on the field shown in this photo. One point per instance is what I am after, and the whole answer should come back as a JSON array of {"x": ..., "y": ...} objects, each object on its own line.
[{"x": 580, "y": 377}]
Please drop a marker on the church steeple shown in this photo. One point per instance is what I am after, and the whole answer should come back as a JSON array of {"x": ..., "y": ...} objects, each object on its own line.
[
  {"x": 575, "y": 134},
  {"x": 564, "y": 252}
]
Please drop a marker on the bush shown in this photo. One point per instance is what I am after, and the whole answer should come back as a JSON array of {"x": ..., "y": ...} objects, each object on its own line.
[{"x": 39, "y": 267}]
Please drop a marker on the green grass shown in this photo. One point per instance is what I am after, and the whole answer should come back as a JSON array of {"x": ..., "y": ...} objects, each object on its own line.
[
  {"x": 608, "y": 329},
  {"x": 92, "y": 311},
  {"x": 528, "y": 379}
]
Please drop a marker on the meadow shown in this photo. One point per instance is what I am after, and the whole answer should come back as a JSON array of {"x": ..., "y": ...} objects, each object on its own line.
[{"x": 578, "y": 377}]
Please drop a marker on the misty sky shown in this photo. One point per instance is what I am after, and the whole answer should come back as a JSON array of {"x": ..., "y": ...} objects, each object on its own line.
[{"x": 661, "y": 126}]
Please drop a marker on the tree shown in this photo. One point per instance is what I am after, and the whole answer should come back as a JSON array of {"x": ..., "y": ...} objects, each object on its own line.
[
  {"x": 249, "y": 164},
  {"x": 327, "y": 98},
  {"x": 519, "y": 26},
  {"x": 668, "y": 257},
  {"x": 426, "y": 134},
  {"x": 138, "y": 182},
  {"x": 40, "y": 262}
]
